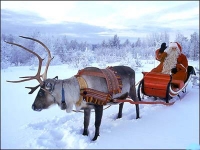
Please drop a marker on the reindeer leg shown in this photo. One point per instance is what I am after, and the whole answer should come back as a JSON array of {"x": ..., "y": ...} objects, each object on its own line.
[
  {"x": 137, "y": 111},
  {"x": 134, "y": 98},
  {"x": 123, "y": 96},
  {"x": 120, "y": 110},
  {"x": 98, "y": 117},
  {"x": 87, "y": 112}
]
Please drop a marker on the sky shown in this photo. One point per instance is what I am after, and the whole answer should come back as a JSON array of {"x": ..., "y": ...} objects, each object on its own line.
[
  {"x": 126, "y": 18},
  {"x": 159, "y": 126}
]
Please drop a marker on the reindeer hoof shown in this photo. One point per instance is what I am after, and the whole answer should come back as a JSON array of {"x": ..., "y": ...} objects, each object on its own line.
[
  {"x": 119, "y": 116},
  {"x": 85, "y": 132},
  {"x": 95, "y": 138},
  {"x": 63, "y": 106}
]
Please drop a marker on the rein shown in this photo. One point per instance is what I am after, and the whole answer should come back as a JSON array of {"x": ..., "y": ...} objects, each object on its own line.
[
  {"x": 51, "y": 90},
  {"x": 91, "y": 111},
  {"x": 141, "y": 79},
  {"x": 142, "y": 102},
  {"x": 50, "y": 93}
]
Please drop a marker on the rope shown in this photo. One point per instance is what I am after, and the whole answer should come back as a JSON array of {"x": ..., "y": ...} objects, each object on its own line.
[
  {"x": 141, "y": 79},
  {"x": 91, "y": 111},
  {"x": 143, "y": 102}
]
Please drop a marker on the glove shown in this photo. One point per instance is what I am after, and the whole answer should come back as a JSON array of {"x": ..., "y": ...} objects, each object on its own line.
[
  {"x": 161, "y": 50},
  {"x": 174, "y": 70}
]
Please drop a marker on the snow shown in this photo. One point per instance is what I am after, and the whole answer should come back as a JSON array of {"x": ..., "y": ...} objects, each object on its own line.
[{"x": 160, "y": 126}]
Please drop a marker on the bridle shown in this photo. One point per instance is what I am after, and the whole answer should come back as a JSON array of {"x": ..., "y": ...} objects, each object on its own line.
[{"x": 50, "y": 88}]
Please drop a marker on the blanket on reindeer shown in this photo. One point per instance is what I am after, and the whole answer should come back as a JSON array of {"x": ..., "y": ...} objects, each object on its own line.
[{"x": 113, "y": 81}]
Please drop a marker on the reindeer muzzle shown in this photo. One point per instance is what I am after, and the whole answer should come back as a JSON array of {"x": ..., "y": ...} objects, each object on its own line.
[{"x": 36, "y": 109}]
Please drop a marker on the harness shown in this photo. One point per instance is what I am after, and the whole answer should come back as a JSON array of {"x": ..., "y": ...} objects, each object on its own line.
[
  {"x": 63, "y": 104},
  {"x": 113, "y": 81},
  {"x": 114, "y": 85},
  {"x": 83, "y": 85},
  {"x": 50, "y": 88}
]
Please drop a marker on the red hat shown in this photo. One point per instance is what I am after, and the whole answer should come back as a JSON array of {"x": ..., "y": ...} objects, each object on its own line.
[
  {"x": 179, "y": 46},
  {"x": 176, "y": 44}
]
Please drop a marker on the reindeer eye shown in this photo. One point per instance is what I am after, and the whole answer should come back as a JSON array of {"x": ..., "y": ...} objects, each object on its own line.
[{"x": 48, "y": 86}]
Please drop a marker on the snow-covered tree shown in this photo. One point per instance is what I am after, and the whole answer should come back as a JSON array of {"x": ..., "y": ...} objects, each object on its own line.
[
  {"x": 138, "y": 43},
  {"x": 80, "y": 54},
  {"x": 183, "y": 41},
  {"x": 114, "y": 42},
  {"x": 127, "y": 43},
  {"x": 5, "y": 54},
  {"x": 194, "y": 46}
]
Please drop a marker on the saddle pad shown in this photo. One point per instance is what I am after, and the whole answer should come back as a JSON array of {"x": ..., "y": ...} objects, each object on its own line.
[{"x": 113, "y": 81}]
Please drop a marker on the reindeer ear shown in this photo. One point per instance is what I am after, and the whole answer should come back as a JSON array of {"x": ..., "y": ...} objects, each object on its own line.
[{"x": 56, "y": 77}]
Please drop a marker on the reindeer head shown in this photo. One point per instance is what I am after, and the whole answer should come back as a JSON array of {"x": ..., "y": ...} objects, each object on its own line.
[{"x": 44, "y": 98}]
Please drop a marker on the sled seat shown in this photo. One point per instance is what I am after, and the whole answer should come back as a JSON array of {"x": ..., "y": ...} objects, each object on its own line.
[
  {"x": 177, "y": 83},
  {"x": 156, "y": 84}
]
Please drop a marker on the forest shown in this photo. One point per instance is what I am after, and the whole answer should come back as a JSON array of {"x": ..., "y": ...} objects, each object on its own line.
[{"x": 81, "y": 54}]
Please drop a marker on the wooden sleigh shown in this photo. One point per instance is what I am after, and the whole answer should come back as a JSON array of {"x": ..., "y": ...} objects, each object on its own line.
[{"x": 162, "y": 86}]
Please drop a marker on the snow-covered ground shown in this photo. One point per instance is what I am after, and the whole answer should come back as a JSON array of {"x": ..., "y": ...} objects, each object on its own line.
[{"x": 160, "y": 127}]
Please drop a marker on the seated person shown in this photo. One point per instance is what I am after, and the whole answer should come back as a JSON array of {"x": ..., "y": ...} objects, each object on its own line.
[{"x": 174, "y": 59}]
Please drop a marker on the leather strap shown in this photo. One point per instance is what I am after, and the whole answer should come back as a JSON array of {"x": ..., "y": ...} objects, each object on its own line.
[
  {"x": 113, "y": 81},
  {"x": 82, "y": 85}
]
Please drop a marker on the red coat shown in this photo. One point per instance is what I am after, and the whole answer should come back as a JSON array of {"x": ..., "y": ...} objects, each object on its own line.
[
  {"x": 182, "y": 65},
  {"x": 160, "y": 57},
  {"x": 182, "y": 59}
]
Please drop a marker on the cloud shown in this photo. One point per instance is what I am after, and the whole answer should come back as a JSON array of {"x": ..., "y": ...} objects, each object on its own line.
[
  {"x": 106, "y": 18},
  {"x": 51, "y": 11}
]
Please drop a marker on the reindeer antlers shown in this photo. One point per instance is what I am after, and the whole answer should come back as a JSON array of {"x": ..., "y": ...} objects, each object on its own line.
[{"x": 37, "y": 76}]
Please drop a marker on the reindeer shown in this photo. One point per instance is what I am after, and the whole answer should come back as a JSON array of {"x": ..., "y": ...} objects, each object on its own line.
[{"x": 66, "y": 93}]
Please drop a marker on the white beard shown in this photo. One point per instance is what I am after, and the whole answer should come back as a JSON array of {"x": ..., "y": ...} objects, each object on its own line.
[{"x": 170, "y": 61}]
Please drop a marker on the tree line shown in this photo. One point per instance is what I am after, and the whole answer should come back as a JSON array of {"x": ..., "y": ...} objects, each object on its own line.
[{"x": 82, "y": 54}]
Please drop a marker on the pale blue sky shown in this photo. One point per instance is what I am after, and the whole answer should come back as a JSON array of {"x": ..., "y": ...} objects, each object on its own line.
[{"x": 126, "y": 17}]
